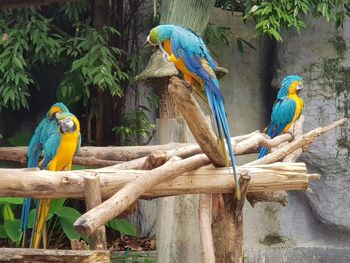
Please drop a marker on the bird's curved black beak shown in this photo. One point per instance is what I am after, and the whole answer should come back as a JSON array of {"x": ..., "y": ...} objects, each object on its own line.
[{"x": 147, "y": 43}]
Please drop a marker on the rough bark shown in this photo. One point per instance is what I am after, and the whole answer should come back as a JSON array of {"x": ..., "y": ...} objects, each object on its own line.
[
  {"x": 206, "y": 180},
  {"x": 206, "y": 236},
  {"x": 115, "y": 205},
  {"x": 17, "y": 255},
  {"x": 93, "y": 199}
]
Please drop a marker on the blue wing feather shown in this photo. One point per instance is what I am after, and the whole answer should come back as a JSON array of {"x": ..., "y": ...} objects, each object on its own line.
[
  {"x": 51, "y": 147},
  {"x": 191, "y": 49},
  {"x": 282, "y": 114}
]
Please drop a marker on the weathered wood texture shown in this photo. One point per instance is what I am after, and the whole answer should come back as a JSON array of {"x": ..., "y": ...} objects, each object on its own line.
[
  {"x": 95, "y": 156},
  {"x": 115, "y": 205},
  {"x": 177, "y": 216},
  {"x": 196, "y": 121},
  {"x": 300, "y": 142},
  {"x": 206, "y": 236},
  {"x": 209, "y": 180},
  {"x": 92, "y": 199},
  {"x": 19, "y": 255}
]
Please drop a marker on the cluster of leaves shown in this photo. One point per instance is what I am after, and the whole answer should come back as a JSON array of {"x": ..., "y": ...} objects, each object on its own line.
[
  {"x": 60, "y": 217},
  {"x": 94, "y": 64},
  {"x": 215, "y": 34},
  {"x": 136, "y": 123},
  {"x": 26, "y": 41},
  {"x": 274, "y": 15}
]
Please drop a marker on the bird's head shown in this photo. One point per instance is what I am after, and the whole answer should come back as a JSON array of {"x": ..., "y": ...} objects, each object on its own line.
[
  {"x": 292, "y": 84},
  {"x": 159, "y": 34},
  {"x": 57, "y": 109},
  {"x": 68, "y": 123}
]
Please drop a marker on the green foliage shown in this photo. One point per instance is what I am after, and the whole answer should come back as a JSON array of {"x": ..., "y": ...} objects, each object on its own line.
[
  {"x": 21, "y": 139},
  {"x": 123, "y": 226},
  {"x": 274, "y": 15},
  {"x": 94, "y": 64},
  {"x": 26, "y": 41},
  {"x": 214, "y": 35},
  {"x": 135, "y": 123}
]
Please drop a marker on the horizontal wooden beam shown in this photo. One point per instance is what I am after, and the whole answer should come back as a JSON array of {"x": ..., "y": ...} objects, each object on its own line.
[
  {"x": 206, "y": 180},
  {"x": 50, "y": 255}
]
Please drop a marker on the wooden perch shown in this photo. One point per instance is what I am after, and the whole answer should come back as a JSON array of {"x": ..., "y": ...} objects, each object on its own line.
[
  {"x": 206, "y": 180},
  {"x": 93, "y": 199},
  {"x": 95, "y": 156},
  {"x": 90, "y": 221},
  {"x": 196, "y": 121},
  {"x": 304, "y": 140},
  {"x": 50, "y": 255},
  {"x": 206, "y": 236}
]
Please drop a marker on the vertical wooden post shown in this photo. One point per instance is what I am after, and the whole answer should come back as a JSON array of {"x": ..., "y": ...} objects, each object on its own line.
[
  {"x": 228, "y": 226},
  {"x": 92, "y": 199},
  {"x": 206, "y": 236}
]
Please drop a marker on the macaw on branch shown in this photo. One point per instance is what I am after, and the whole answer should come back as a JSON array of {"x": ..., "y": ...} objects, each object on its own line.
[
  {"x": 46, "y": 128},
  {"x": 59, "y": 151},
  {"x": 287, "y": 108},
  {"x": 190, "y": 55}
]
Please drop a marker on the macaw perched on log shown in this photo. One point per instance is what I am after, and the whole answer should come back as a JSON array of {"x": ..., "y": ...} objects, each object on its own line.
[
  {"x": 46, "y": 128},
  {"x": 188, "y": 52},
  {"x": 59, "y": 151},
  {"x": 286, "y": 110}
]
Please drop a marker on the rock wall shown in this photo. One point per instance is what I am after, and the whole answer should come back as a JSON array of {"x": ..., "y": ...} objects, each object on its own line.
[{"x": 320, "y": 220}]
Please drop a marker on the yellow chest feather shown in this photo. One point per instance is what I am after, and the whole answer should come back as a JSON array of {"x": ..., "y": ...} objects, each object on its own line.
[
  {"x": 65, "y": 153},
  {"x": 299, "y": 108}
]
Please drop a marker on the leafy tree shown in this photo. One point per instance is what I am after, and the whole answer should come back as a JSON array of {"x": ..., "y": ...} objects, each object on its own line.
[
  {"x": 82, "y": 36},
  {"x": 274, "y": 15}
]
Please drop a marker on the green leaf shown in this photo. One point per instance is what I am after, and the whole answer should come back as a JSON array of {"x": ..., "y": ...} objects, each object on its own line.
[
  {"x": 3, "y": 232},
  {"x": 56, "y": 204},
  {"x": 12, "y": 229},
  {"x": 8, "y": 213},
  {"x": 11, "y": 200},
  {"x": 123, "y": 226},
  {"x": 68, "y": 229},
  {"x": 31, "y": 218},
  {"x": 20, "y": 139},
  {"x": 67, "y": 212}
]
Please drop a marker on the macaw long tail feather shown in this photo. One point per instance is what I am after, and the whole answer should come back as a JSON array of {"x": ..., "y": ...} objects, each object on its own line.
[
  {"x": 40, "y": 223},
  {"x": 24, "y": 217},
  {"x": 221, "y": 126},
  {"x": 272, "y": 133}
]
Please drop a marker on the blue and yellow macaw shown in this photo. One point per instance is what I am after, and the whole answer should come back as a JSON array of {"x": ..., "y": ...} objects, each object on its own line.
[
  {"x": 46, "y": 128},
  {"x": 190, "y": 55},
  {"x": 59, "y": 151},
  {"x": 287, "y": 108}
]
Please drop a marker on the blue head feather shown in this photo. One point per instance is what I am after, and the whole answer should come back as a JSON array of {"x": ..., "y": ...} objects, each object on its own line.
[
  {"x": 286, "y": 83},
  {"x": 161, "y": 33}
]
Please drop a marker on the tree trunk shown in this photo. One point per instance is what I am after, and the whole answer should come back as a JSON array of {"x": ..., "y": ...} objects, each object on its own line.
[{"x": 181, "y": 12}]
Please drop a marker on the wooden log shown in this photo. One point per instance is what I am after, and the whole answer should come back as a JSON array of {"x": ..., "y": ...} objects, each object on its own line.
[
  {"x": 88, "y": 223},
  {"x": 206, "y": 180},
  {"x": 93, "y": 199},
  {"x": 206, "y": 236},
  {"x": 195, "y": 119},
  {"x": 95, "y": 156},
  {"x": 228, "y": 226},
  {"x": 16, "y": 255},
  {"x": 304, "y": 140}
]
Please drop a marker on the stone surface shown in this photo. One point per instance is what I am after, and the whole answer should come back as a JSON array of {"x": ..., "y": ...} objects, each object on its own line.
[
  {"x": 299, "y": 255},
  {"x": 325, "y": 65}
]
